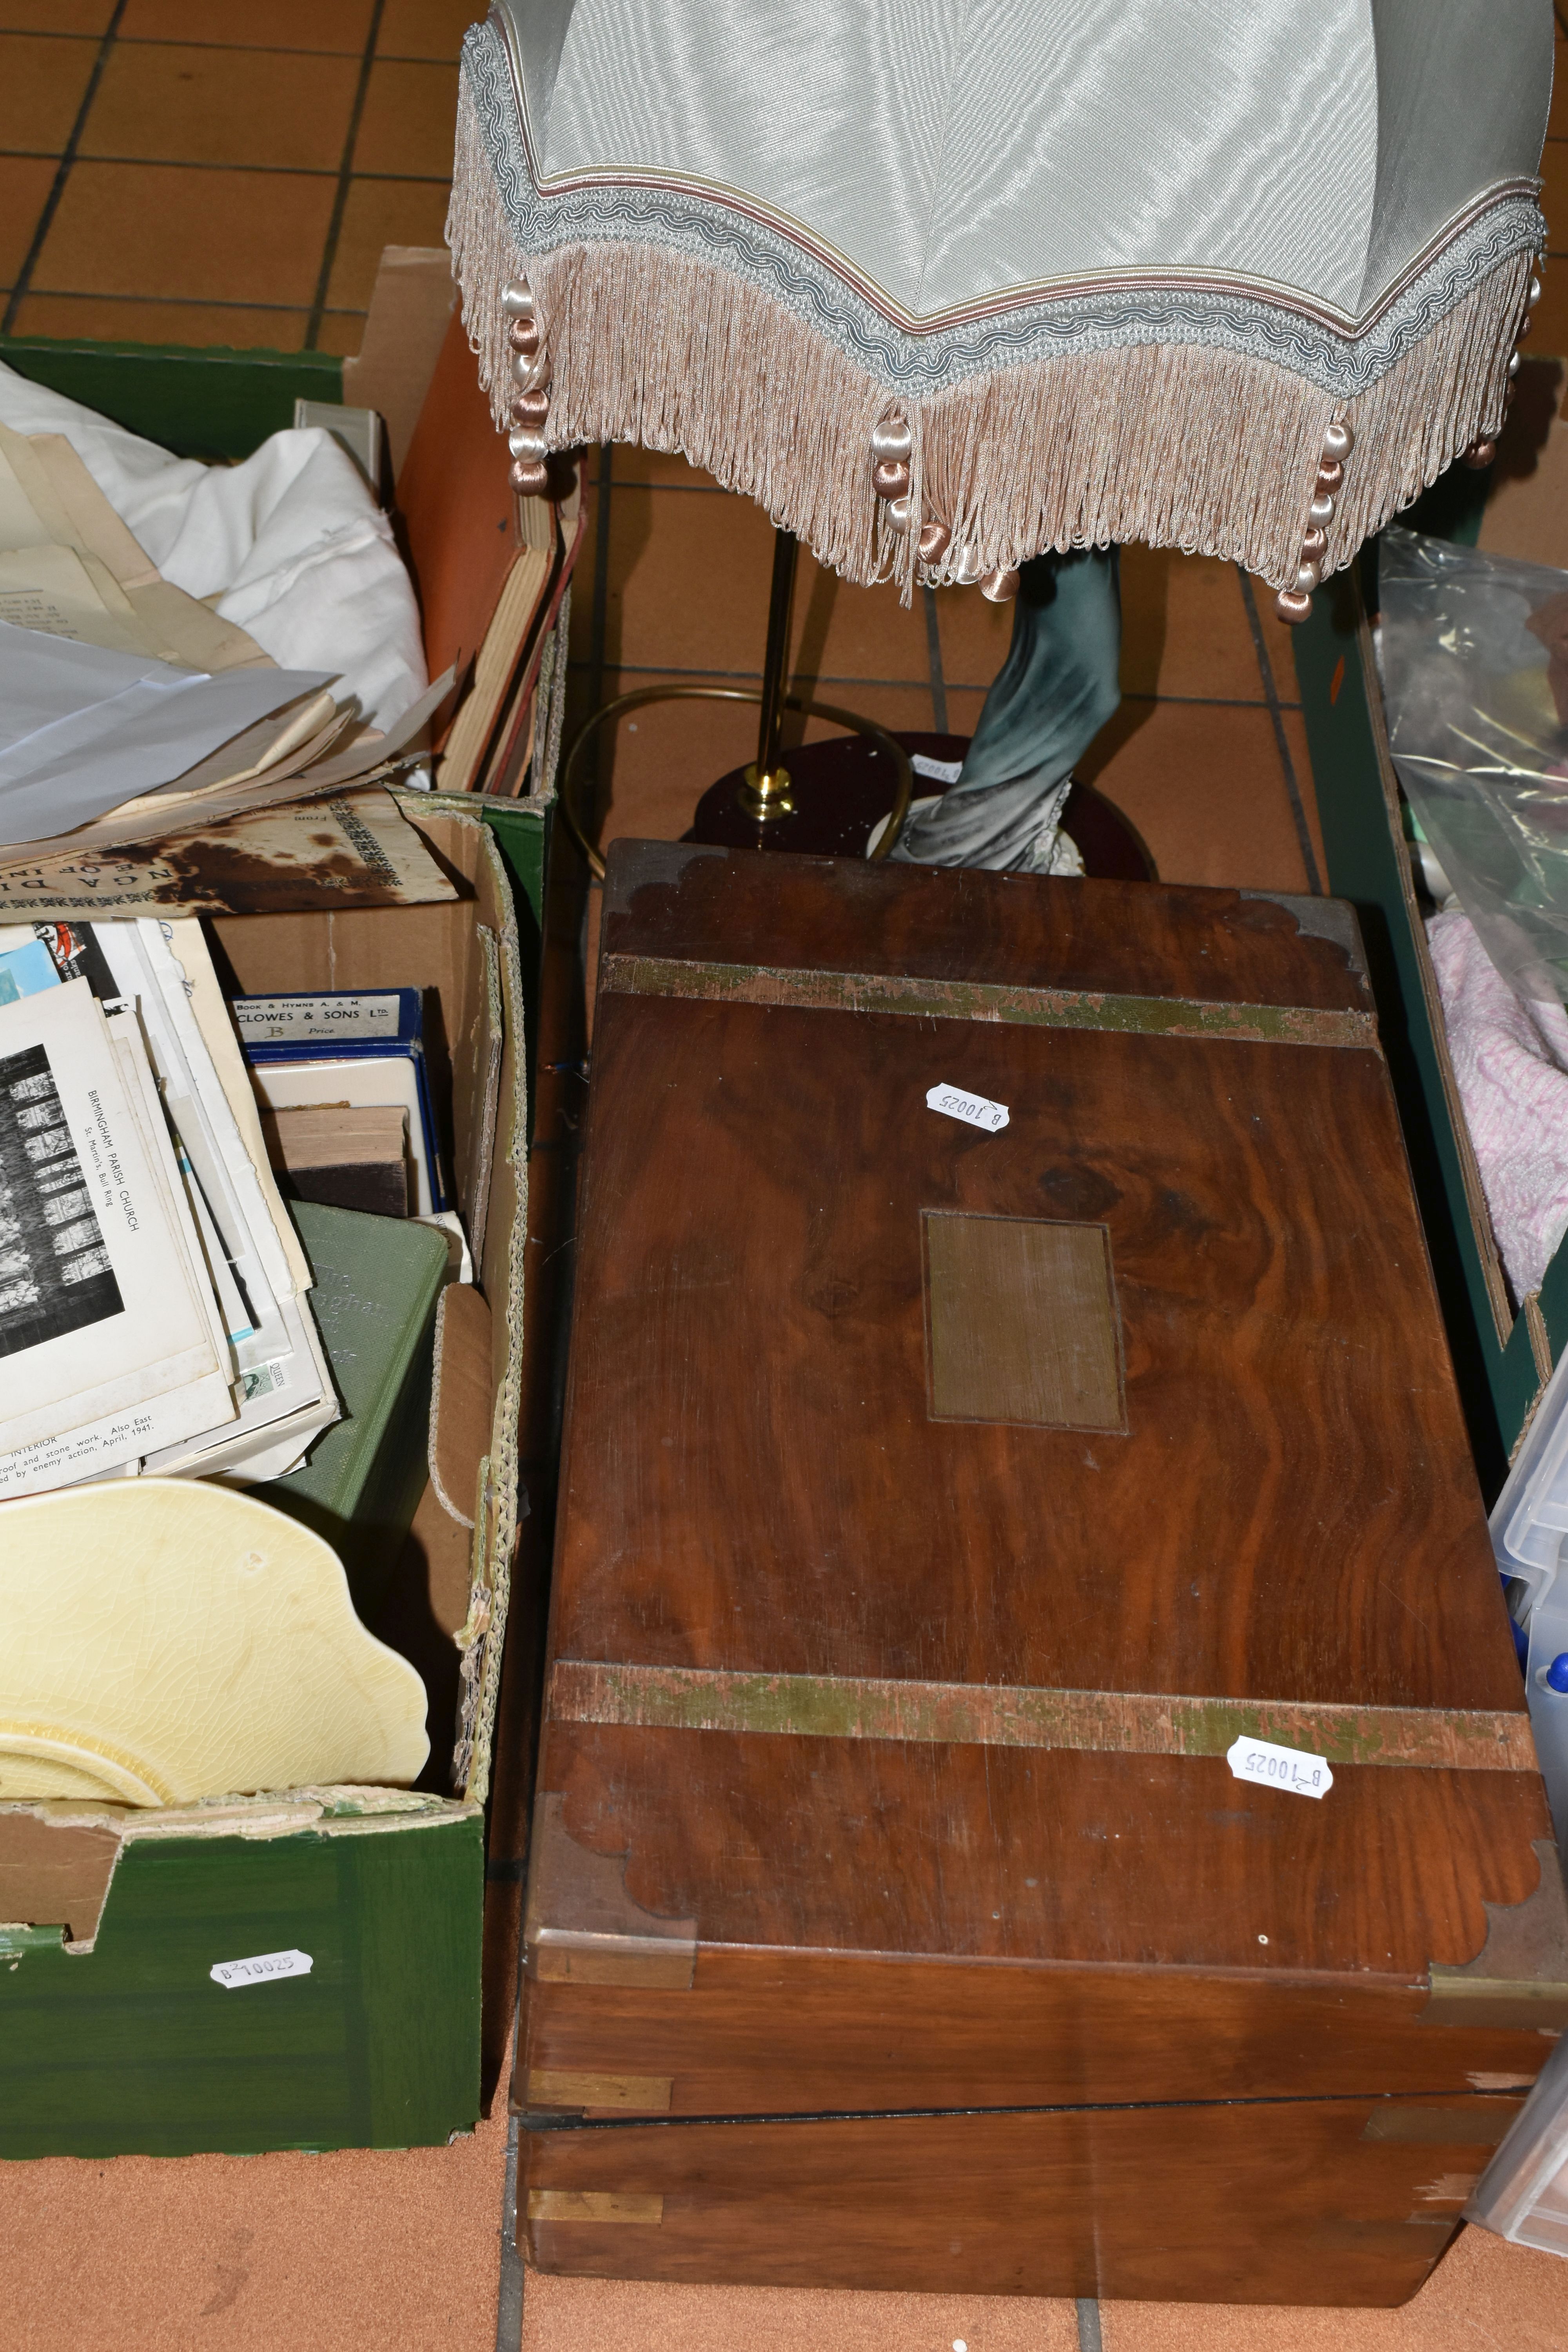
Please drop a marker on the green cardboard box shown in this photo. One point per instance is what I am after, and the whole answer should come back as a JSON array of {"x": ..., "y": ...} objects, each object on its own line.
[{"x": 114, "y": 2036}]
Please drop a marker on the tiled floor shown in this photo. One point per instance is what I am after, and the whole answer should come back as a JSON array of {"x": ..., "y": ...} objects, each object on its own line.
[
  {"x": 1207, "y": 755},
  {"x": 228, "y": 171},
  {"x": 198, "y": 172}
]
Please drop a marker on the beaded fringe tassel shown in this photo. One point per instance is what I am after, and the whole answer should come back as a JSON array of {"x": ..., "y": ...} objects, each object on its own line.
[{"x": 1182, "y": 445}]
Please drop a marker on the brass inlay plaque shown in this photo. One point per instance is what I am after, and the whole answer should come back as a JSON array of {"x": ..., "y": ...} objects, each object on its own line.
[
  {"x": 1021, "y": 1322},
  {"x": 593, "y": 2205}
]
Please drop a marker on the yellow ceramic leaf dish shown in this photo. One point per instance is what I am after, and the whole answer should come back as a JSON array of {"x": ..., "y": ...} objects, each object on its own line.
[{"x": 164, "y": 1639}]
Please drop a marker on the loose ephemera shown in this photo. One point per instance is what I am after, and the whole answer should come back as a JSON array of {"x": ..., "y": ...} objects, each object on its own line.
[{"x": 99, "y": 1312}]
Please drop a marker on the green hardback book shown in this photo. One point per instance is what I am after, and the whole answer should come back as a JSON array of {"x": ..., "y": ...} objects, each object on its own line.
[{"x": 377, "y": 1281}]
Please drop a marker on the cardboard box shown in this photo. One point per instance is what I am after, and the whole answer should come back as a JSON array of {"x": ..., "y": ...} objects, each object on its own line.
[
  {"x": 1503, "y": 1355},
  {"x": 113, "y": 2036}
]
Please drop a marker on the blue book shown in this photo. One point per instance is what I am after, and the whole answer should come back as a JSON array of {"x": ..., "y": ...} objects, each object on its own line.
[{"x": 304, "y": 1048}]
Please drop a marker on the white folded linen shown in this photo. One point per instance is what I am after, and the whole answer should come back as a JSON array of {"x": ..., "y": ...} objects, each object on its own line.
[{"x": 289, "y": 544}]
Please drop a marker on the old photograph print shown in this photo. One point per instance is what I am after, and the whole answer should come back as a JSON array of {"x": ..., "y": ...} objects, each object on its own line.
[{"x": 55, "y": 1272}]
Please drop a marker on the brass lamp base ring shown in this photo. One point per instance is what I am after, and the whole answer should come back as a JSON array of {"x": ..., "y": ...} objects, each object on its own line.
[
  {"x": 761, "y": 804},
  {"x": 765, "y": 799}
]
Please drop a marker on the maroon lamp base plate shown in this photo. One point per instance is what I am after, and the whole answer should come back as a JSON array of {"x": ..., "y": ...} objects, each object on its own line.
[{"x": 843, "y": 787}]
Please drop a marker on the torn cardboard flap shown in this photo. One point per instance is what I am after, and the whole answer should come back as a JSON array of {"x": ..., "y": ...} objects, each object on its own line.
[
  {"x": 460, "y": 1400},
  {"x": 57, "y": 1858}
]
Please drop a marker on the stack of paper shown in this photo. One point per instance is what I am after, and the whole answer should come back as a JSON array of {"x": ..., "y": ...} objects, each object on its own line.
[
  {"x": 127, "y": 710},
  {"x": 152, "y": 1288}
]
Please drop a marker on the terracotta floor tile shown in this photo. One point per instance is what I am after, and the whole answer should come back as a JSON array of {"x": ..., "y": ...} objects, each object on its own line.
[
  {"x": 661, "y": 760},
  {"x": 644, "y": 465},
  {"x": 343, "y": 24},
  {"x": 1554, "y": 193},
  {"x": 901, "y": 708},
  {"x": 964, "y": 705},
  {"x": 353, "y": 2251},
  {"x": 592, "y": 2315},
  {"x": 1549, "y": 335},
  {"x": 1301, "y": 761},
  {"x": 58, "y": 17},
  {"x": 381, "y": 213},
  {"x": 1279, "y": 644},
  {"x": 166, "y": 103},
  {"x": 687, "y": 581},
  {"x": 409, "y": 119},
  {"x": 976, "y": 636},
  {"x": 843, "y": 631},
  {"x": 423, "y": 28},
  {"x": 1484, "y": 2294},
  {"x": 1184, "y": 627},
  {"x": 25, "y": 183},
  {"x": 341, "y": 333},
  {"x": 212, "y": 237},
  {"x": 1202, "y": 783},
  {"x": 41, "y": 87},
  {"x": 1557, "y": 120},
  {"x": 194, "y": 326}
]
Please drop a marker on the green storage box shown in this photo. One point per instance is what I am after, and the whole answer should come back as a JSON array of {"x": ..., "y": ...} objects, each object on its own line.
[
  {"x": 114, "y": 2037},
  {"x": 1503, "y": 1355}
]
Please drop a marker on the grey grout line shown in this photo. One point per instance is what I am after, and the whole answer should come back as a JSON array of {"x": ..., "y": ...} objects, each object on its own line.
[
  {"x": 1089, "y": 2338},
  {"x": 62, "y": 172},
  {"x": 278, "y": 171},
  {"x": 933, "y": 658},
  {"x": 923, "y": 685},
  {"x": 191, "y": 301},
  {"x": 1281, "y": 741},
  {"x": 346, "y": 176},
  {"x": 509, "y": 2301},
  {"x": 219, "y": 49}
]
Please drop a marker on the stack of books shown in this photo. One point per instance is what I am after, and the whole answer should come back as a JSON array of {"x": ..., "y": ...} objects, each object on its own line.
[{"x": 153, "y": 1308}]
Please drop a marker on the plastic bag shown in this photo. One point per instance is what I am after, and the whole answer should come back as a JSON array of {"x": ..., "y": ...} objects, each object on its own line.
[{"x": 1475, "y": 674}]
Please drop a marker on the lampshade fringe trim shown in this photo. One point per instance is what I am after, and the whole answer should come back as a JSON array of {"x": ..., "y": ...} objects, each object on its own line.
[{"x": 1194, "y": 446}]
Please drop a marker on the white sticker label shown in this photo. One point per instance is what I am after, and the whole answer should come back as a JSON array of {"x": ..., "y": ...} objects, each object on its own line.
[
  {"x": 1279, "y": 1768},
  {"x": 263, "y": 1970},
  {"x": 974, "y": 1109},
  {"x": 317, "y": 1019},
  {"x": 941, "y": 772}
]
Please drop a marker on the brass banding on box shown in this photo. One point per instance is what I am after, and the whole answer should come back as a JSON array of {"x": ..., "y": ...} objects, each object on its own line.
[
  {"x": 558, "y": 2087},
  {"x": 973, "y": 1000},
  {"x": 1138, "y": 1723},
  {"x": 592, "y": 2205}
]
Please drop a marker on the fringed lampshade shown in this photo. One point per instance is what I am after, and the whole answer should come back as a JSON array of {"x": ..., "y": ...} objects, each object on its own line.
[{"x": 942, "y": 287}]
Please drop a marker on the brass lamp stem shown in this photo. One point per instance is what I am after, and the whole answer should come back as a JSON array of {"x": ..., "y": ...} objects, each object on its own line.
[{"x": 764, "y": 791}]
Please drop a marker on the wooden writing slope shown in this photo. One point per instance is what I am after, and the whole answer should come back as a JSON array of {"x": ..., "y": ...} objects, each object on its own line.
[{"x": 940, "y": 1506}]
